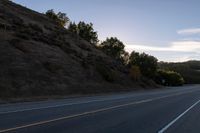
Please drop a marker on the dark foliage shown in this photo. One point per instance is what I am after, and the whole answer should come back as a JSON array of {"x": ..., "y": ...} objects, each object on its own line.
[
  {"x": 59, "y": 18},
  {"x": 169, "y": 78},
  {"x": 147, "y": 63},
  {"x": 85, "y": 31},
  {"x": 189, "y": 70},
  {"x": 113, "y": 47},
  {"x": 106, "y": 72}
]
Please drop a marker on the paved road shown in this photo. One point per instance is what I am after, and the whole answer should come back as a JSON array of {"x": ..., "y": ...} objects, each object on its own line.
[{"x": 170, "y": 110}]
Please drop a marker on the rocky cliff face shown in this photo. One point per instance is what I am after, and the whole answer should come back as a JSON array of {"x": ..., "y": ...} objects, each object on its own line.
[{"x": 37, "y": 57}]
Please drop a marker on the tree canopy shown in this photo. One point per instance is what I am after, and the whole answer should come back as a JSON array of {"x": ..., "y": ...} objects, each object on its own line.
[
  {"x": 147, "y": 63},
  {"x": 84, "y": 30},
  {"x": 139, "y": 64},
  {"x": 135, "y": 73},
  {"x": 60, "y": 18},
  {"x": 113, "y": 47}
]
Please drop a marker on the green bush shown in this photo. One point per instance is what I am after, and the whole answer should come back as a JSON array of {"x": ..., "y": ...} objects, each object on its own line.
[
  {"x": 189, "y": 70},
  {"x": 169, "y": 78}
]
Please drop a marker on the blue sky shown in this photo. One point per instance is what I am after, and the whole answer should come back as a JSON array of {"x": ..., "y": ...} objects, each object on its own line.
[{"x": 167, "y": 29}]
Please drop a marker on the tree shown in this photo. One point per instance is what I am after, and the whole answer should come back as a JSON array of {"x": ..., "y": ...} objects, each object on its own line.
[
  {"x": 63, "y": 19},
  {"x": 135, "y": 72},
  {"x": 86, "y": 31},
  {"x": 113, "y": 47},
  {"x": 73, "y": 28},
  {"x": 147, "y": 63},
  {"x": 60, "y": 18}
]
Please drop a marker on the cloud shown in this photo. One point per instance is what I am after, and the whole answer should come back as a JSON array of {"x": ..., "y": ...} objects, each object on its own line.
[
  {"x": 145, "y": 48},
  {"x": 177, "y": 51},
  {"x": 189, "y": 31},
  {"x": 186, "y": 46},
  {"x": 178, "y": 46},
  {"x": 181, "y": 50}
]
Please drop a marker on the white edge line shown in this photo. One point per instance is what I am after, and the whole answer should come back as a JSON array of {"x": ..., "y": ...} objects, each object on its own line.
[
  {"x": 73, "y": 116},
  {"x": 62, "y": 105},
  {"x": 85, "y": 113},
  {"x": 177, "y": 118},
  {"x": 69, "y": 104}
]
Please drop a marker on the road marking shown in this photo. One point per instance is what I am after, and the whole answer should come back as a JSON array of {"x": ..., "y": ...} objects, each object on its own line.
[
  {"x": 86, "y": 113},
  {"x": 62, "y": 105},
  {"x": 47, "y": 107},
  {"x": 69, "y": 104},
  {"x": 177, "y": 118},
  {"x": 73, "y": 116}
]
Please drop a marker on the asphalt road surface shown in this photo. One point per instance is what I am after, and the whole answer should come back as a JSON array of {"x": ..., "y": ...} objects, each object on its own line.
[{"x": 169, "y": 110}]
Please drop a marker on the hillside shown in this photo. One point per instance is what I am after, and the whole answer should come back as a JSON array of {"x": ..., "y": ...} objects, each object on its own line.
[
  {"x": 190, "y": 70},
  {"x": 40, "y": 58}
]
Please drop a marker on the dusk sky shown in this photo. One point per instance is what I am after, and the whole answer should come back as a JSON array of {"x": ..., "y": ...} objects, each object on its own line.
[{"x": 167, "y": 29}]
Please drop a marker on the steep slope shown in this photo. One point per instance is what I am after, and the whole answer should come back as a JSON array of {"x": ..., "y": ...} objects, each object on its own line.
[{"x": 37, "y": 57}]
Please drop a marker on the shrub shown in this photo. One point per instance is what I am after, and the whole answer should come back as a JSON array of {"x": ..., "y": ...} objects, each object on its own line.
[{"x": 169, "y": 78}]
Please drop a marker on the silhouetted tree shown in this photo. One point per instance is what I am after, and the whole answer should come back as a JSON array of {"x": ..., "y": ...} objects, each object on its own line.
[
  {"x": 148, "y": 64},
  {"x": 60, "y": 18},
  {"x": 84, "y": 30},
  {"x": 73, "y": 27},
  {"x": 113, "y": 47}
]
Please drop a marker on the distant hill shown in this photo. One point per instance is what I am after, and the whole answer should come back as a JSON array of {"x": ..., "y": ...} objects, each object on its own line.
[
  {"x": 37, "y": 57},
  {"x": 190, "y": 70}
]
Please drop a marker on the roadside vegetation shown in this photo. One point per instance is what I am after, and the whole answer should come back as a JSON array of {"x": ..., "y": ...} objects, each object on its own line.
[
  {"x": 190, "y": 70},
  {"x": 169, "y": 78},
  {"x": 139, "y": 65},
  {"x": 50, "y": 55}
]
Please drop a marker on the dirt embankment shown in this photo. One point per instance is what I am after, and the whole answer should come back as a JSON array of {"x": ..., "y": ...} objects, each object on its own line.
[{"x": 39, "y": 58}]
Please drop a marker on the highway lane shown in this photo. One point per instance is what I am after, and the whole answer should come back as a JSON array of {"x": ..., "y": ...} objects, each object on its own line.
[{"x": 140, "y": 112}]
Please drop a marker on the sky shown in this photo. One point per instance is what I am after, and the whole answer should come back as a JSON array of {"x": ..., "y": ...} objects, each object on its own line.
[{"x": 166, "y": 29}]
